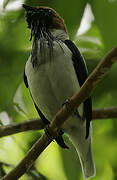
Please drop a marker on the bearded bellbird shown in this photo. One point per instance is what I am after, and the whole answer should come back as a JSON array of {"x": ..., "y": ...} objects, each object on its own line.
[{"x": 54, "y": 72}]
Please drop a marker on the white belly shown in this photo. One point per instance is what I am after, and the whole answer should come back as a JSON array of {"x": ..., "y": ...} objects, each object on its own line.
[{"x": 52, "y": 83}]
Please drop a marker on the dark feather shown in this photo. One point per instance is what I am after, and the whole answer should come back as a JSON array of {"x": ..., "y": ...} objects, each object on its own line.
[
  {"x": 25, "y": 80},
  {"x": 82, "y": 74}
]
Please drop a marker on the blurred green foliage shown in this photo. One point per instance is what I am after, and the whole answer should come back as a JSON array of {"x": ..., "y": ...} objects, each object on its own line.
[{"x": 55, "y": 163}]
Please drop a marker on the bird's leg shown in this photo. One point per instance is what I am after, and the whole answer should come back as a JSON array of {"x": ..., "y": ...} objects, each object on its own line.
[{"x": 59, "y": 139}]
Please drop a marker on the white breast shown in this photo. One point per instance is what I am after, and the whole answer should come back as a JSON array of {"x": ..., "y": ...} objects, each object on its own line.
[{"x": 55, "y": 81}]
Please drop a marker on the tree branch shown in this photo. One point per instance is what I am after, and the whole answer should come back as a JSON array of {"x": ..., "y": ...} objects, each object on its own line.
[
  {"x": 37, "y": 124},
  {"x": 99, "y": 72},
  {"x": 105, "y": 113}
]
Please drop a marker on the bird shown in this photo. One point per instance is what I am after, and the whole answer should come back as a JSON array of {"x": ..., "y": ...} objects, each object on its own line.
[{"x": 54, "y": 72}]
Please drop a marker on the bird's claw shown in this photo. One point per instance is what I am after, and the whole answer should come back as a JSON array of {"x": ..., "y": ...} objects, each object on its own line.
[
  {"x": 66, "y": 103},
  {"x": 59, "y": 139}
]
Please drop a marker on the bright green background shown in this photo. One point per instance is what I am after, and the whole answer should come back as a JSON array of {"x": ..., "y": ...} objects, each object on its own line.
[{"x": 55, "y": 163}]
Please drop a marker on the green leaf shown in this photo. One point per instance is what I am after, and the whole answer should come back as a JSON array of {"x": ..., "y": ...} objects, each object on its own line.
[
  {"x": 13, "y": 55},
  {"x": 105, "y": 12},
  {"x": 90, "y": 43}
]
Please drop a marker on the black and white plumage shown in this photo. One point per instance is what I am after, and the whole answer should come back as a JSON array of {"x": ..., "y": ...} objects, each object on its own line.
[{"x": 54, "y": 72}]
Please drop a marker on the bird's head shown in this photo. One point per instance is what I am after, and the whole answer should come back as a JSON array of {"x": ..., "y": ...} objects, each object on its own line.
[{"x": 42, "y": 20}]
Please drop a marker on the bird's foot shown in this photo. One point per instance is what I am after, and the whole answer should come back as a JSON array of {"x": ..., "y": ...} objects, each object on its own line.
[
  {"x": 59, "y": 139},
  {"x": 66, "y": 103}
]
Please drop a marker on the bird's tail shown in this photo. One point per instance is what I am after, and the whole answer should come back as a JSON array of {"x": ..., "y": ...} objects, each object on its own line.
[{"x": 84, "y": 150}]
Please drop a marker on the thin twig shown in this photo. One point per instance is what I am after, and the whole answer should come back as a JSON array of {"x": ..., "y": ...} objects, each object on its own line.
[
  {"x": 105, "y": 113},
  {"x": 99, "y": 72},
  {"x": 37, "y": 124}
]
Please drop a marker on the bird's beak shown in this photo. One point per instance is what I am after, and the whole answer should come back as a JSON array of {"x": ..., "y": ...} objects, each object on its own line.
[{"x": 29, "y": 8}]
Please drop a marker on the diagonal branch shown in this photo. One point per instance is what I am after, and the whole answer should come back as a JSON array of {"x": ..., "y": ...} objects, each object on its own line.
[
  {"x": 99, "y": 72},
  {"x": 37, "y": 124}
]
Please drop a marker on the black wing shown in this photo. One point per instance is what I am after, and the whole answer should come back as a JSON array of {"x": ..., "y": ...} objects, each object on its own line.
[
  {"x": 82, "y": 74},
  {"x": 25, "y": 80}
]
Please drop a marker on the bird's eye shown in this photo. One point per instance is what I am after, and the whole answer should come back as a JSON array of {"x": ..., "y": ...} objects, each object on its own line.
[{"x": 49, "y": 10}]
